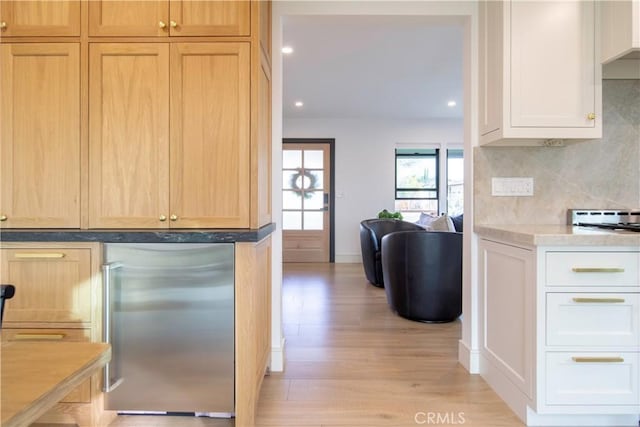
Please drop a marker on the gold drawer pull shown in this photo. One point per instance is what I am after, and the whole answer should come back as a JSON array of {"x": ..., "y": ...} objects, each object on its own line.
[
  {"x": 40, "y": 255},
  {"x": 597, "y": 359},
  {"x": 597, "y": 270},
  {"x": 599, "y": 300},
  {"x": 39, "y": 337}
]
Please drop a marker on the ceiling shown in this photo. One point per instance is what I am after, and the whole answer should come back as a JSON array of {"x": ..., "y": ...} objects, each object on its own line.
[{"x": 400, "y": 67}]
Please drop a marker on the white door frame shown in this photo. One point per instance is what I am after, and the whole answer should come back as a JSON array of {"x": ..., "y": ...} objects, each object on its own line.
[{"x": 465, "y": 12}]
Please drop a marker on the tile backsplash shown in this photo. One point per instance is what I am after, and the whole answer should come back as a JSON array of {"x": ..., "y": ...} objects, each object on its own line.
[{"x": 602, "y": 173}]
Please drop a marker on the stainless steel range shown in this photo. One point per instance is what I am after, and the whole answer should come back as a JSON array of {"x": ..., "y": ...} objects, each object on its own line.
[{"x": 611, "y": 219}]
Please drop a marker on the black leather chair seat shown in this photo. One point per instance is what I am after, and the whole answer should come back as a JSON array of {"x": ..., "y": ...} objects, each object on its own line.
[
  {"x": 423, "y": 274},
  {"x": 371, "y": 233}
]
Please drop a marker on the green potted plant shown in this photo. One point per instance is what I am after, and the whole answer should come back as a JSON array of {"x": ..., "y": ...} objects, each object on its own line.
[{"x": 392, "y": 215}]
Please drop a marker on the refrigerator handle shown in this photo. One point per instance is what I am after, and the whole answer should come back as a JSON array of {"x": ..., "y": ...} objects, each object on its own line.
[{"x": 106, "y": 324}]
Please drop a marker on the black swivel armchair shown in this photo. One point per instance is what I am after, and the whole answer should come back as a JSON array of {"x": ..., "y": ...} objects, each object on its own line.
[
  {"x": 6, "y": 292},
  {"x": 371, "y": 233},
  {"x": 423, "y": 274}
]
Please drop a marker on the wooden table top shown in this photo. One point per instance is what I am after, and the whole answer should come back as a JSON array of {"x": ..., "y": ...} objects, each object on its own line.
[{"x": 34, "y": 376}]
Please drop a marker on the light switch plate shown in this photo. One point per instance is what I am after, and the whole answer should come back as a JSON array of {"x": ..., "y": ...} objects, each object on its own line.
[{"x": 512, "y": 186}]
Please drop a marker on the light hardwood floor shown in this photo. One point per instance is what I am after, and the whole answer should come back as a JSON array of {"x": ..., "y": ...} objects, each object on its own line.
[{"x": 350, "y": 362}]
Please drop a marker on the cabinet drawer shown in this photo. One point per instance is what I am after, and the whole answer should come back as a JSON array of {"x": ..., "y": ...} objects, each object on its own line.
[
  {"x": 52, "y": 285},
  {"x": 593, "y": 319},
  {"x": 82, "y": 393},
  {"x": 592, "y": 378},
  {"x": 592, "y": 269},
  {"x": 76, "y": 335}
]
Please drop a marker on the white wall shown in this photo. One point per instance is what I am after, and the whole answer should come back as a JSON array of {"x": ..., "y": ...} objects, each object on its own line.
[{"x": 364, "y": 169}]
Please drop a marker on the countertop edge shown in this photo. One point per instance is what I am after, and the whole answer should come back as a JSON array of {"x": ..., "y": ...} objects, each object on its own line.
[
  {"x": 138, "y": 235},
  {"x": 557, "y": 235}
]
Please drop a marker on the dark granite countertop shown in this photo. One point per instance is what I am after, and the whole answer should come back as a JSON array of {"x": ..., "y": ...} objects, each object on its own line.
[{"x": 137, "y": 235}]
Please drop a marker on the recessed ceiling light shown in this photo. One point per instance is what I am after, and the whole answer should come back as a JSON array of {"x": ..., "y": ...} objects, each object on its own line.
[
  {"x": 287, "y": 50},
  {"x": 299, "y": 104},
  {"x": 451, "y": 103}
]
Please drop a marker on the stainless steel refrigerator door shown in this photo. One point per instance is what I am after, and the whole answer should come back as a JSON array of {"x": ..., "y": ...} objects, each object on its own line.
[{"x": 171, "y": 327}]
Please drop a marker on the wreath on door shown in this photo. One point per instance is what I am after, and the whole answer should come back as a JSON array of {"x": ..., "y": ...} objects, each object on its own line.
[{"x": 297, "y": 182}]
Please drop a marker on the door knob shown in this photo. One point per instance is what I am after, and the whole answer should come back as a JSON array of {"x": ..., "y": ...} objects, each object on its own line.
[
  {"x": 3, "y": 25},
  {"x": 591, "y": 116},
  {"x": 173, "y": 217},
  {"x": 163, "y": 218},
  {"x": 173, "y": 24},
  {"x": 162, "y": 25},
  {"x": 3, "y": 217}
]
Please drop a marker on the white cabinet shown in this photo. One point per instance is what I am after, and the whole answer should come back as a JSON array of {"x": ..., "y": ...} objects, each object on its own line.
[
  {"x": 620, "y": 22},
  {"x": 589, "y": 331},
  {"x": 560, "y": 332},
  {"x": 591, "y": 378},
  {"x": 508, "y": 311},
  {"x": 539, "y": 77},
  {"x": 594, "y": 320}
]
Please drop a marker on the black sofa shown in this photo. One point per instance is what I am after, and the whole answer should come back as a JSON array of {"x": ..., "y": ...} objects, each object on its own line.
[
  {"x": 423, "y": 274},
  {"x": 371, "y": 233}
]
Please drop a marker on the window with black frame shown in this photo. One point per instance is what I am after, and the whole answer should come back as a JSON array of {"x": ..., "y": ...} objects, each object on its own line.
[
  {"x": 455, "y": 181},
  {"x": 417, "y": 181}
]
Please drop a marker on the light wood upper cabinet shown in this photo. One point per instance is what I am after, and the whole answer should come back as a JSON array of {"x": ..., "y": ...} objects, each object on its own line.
[
  {"x": 169, "y": 18},
  {"x": 128, "y": 18},
  {"x": 210, "y": 134},
  {"x": 209, "y": 18},
  {"x": 539, "y": 77},
  {"x": 188, "y": 168},
  {"x": 39, "y": 18},
  {"x": 129, "y": 133},
  {"x": 40, "y": 135}
]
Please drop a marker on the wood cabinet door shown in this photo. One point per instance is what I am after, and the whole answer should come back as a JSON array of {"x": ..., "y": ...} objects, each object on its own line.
[
  {"x": 40, "y": 18},
  {"x": 210, "y": 128},
  {"x": 129, "y": 18},
  {"x": 545, "y": 95},
  {"x": 129, "y": 134},
  {"x": 40, "y": 135},
  {"x": 53, "y": 285},
  {"x": 210, "y": 18}
]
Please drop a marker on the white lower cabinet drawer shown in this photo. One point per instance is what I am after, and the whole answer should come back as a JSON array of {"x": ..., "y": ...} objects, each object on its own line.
[
  {"x": 592, "y": 268},
  {"x": 592, "y": 378},
  {"x": 594, "y": 320}
]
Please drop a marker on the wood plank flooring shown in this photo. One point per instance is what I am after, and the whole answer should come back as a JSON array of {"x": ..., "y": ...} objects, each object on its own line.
[{"x": 351, "y": 362}]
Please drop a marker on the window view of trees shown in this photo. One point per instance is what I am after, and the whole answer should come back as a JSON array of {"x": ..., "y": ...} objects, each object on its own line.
[{"x": 418, "y": 182}]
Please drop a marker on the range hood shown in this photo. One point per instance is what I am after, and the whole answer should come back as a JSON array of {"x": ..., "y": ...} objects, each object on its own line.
[{"x": 620, "y": 38}]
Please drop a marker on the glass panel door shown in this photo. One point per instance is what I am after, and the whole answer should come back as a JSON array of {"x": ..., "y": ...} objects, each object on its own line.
[{"x": 305, "y": 202}]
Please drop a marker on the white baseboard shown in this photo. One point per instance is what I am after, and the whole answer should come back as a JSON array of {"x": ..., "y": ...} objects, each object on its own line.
[
  {"x": 348, "y": 259},
  {"x": 504, "y": 388},
  {"x": 277, "y": 357},
  {"x": 468, "y": 358},
  {"x": 582, "y": 420}
]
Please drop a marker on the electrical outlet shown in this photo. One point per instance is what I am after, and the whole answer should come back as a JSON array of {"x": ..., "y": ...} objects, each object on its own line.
[{"x": 512, "y": 186}]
